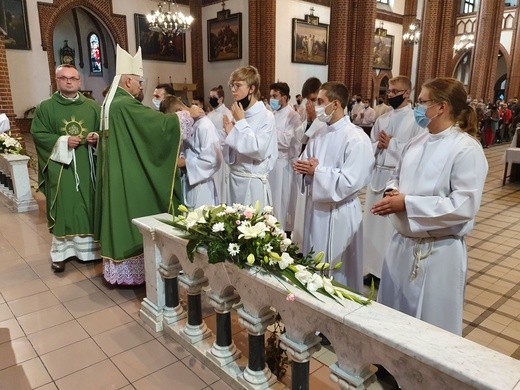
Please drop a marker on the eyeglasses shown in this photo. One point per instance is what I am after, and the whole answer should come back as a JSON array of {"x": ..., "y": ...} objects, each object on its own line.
[
  {"x": 420, "y": 102},
  {"x": 395, "y": 91},
  {"x": 66, "y": 79},
  {"x": 235, "y": 86}
]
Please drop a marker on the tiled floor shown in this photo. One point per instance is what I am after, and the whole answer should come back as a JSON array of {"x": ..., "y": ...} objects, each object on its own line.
[{"x": 71, "y": 331}]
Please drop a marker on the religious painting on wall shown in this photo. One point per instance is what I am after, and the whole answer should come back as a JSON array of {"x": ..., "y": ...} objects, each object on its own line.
[
  {"x": 310, "y": 41},
  {"x": 225, "y": 36},
  {"x": 382, "y": 52},
  {"x": 13, "y": 20},
  {"x": 157, "y": 46}
]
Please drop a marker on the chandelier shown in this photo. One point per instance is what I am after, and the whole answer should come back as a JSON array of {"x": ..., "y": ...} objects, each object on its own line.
[
  {"x": 465, "y": 43},
  {"x": 412, "y": 36},
  {"x": 169, "y": 23}
]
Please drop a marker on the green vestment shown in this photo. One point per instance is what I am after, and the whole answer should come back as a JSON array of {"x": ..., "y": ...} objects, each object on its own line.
[
  {"x": 137, "y": 164},
  {"x": 70, "y": 211}
]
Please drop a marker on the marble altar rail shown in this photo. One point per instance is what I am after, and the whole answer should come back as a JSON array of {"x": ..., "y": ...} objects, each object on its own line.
[
  {"x": 15, "y": 186},
  {"x": 418, "y": 354}
]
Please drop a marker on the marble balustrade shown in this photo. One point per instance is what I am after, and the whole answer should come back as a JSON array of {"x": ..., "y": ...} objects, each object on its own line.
[
  {"x": 418, "y": 354},
  {"x": 15, "y": 187}
]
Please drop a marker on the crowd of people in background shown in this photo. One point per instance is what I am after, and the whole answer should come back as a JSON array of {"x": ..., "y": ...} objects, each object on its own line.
[
  {"x": 421, "y": 162},
  {"x": 496, "y": 121}
]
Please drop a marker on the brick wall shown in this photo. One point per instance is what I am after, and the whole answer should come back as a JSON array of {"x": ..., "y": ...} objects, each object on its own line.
[
  {"x": 436, "y": 47},
  {"x": 485, "y": 52},
  {"x": 350, "y": 48},
  {"x": 262, "y": 40},
  {"x": 6, "y": 100},
  {"x": 197, "y": 62}
]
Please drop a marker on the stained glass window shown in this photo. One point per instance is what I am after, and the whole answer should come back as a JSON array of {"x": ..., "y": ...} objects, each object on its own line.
[{"x": 95, "y": 54}]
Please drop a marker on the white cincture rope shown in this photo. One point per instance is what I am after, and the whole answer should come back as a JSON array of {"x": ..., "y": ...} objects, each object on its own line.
[
  {"x": 91, "y": 152},
  {"x": 418, "y": 254},
  {"x": 331, "y": 235},
  {"x": 263, "y": 178},
  {"x": 76, "y": 176}
]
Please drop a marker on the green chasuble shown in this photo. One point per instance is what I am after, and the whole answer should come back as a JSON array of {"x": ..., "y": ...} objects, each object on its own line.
[
  {"x": 70, "y": 211},
  {"x": 137, "y": 164}
]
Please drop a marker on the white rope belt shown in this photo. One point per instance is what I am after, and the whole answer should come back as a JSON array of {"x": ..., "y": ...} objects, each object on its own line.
[{"x": 263, "y": 178}]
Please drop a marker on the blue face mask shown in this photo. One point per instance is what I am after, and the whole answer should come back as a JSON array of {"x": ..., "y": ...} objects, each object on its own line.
[
  {"x": 275, "y": 104},
  {"x": 419, "y": 112}
]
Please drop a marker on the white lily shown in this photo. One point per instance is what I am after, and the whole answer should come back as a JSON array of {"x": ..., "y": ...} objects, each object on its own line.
[{"x": 285, "y": 261}]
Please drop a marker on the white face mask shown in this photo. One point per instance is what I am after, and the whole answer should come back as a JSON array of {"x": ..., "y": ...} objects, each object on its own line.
[
  {"x": 320, "y": 113},
  {"x": 156, "y": 103}
]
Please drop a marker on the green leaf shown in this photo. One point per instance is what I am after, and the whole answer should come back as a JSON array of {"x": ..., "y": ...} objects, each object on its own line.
[{"x": 191, "y": 248}]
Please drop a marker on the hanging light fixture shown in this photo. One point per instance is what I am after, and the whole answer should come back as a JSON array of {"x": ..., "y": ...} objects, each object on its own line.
[
  {"x": 413, "y": 35},
  {"x": 465, "y": 43},
  {"x": 167, "y": 22}
]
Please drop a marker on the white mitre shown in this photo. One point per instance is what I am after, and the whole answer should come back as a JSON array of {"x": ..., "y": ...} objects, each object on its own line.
[{"x": 125, "y": 64}]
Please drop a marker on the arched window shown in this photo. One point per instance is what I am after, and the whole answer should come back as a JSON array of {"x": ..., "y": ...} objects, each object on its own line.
[
  {"x": 468, "y": 6},
  {"x": 95, "y": 55}
]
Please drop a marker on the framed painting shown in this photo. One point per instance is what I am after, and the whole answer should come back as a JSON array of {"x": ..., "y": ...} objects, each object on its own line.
[
  {"x": 157, "y": 46},
  {"x": 383, "y": 50},
  {"x": 310, "y": 41},
  {"x": 13, "y": 19},
  {"x": 225, "y": 36}
]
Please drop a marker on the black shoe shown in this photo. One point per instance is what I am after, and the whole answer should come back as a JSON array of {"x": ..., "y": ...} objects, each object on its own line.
[{"x": 58, "y": 266}]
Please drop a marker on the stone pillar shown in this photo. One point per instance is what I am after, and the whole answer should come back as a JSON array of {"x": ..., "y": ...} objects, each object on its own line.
[
  {"x": 197, "y": 62},
  {"x": 262, "y": 41},
  {"x": 6, "y": 99},
  {"x": 485, "y": 53},
  {"x": 256, "y": 375},
  {"x": 173, "y": 311},
  {"x": 513, "y": 82},
  {"x": 350, "y": 57},
  {"x": 437, "y": 36},
  {"x": 16, "y": 187},
  {"x": 347, "y": 380},
  {"x": 300, "y": 354},
  {"x": 410, "y": 12},
  {"x": 195, "y": 329},
  {"x": 223, "y": 350},
  {"x": 152, "y": 306}
]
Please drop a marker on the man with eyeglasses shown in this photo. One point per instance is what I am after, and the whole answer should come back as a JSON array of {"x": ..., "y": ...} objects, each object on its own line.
[
  {"x": 137, "y": 169},
  {"x": 389, "y": 135},
  {"x": 64, "y": 132}
]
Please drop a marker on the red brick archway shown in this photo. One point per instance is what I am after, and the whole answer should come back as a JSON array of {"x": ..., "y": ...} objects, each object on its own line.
[{"x": 50, "y": 14}]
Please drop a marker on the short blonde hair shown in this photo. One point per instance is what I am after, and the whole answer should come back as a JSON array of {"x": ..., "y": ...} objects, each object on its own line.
[
  {"x": 250, "y": 75},
  {"x": 403, "y": 80}
]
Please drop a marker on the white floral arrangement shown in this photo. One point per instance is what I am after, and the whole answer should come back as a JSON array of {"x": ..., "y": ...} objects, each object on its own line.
[
  {"x": 9, "y": 145},
  {"x": 250, "y": 237}
]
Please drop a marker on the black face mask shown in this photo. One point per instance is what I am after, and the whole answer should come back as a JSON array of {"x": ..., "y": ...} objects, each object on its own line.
[
  {"x": 298, "y": 101},
  {"x": 213, "y": 102},
  {"x": 380, "y": 101},
  {"x": 396, "y": 101},
  {"x": 245, "y": 102}
]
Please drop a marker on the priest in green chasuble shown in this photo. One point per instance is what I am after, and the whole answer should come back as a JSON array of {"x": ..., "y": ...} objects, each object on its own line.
[
  {"x": 64, "y": 132},
  {"x": 137, "y": 169}
]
